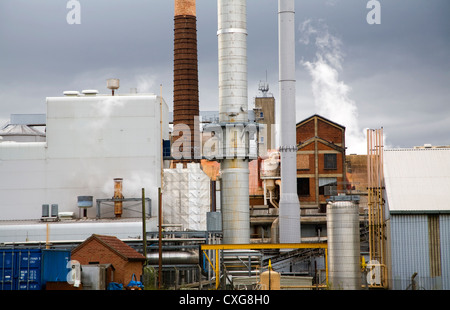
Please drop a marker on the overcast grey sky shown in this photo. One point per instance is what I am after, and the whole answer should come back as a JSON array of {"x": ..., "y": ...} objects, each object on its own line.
[{"x": 394, "y": 75}]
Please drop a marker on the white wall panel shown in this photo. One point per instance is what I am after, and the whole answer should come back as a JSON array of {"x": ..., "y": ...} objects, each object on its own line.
[{"x": 90, "y": 141}]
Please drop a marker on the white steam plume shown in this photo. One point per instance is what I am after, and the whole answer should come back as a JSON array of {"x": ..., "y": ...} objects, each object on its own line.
[
  {"x": 331, "y": 96},
  {"x": 145, "y": 83}
]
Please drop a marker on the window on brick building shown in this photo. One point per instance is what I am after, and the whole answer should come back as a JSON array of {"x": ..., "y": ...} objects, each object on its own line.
[
  {"x": 330, "y": 161},
  {"x": 303, "y": 186},
  {"x": 302, "y": 162},
  {"x": 328, "y": 186}
]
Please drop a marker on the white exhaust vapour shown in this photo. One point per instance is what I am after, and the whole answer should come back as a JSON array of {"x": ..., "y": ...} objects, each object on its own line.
[{"x": 331, "y": 95}]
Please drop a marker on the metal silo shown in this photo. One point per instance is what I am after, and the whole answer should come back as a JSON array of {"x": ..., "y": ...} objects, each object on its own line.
[{"x": 343, "y": 245}]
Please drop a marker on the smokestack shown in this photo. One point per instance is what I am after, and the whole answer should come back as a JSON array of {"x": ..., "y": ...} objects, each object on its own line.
[
  {"x": 233, "y": 107},
  {"x": 185, "y": 74},
  {"x": 118, "y": 195},
  {"x": 289, "y": 211}
]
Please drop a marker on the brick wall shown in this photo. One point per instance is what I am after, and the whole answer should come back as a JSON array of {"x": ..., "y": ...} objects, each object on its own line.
[
  {"x": 329, "y": 132},
  {"x": 95, "y": 252},
  {"x": 330, "y": 137}
]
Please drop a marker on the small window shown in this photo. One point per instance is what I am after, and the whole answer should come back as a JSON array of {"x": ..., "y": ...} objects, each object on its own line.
[
  {"x": 328, "y": 186},
  {"x": 302, "y": 162},
  {"x": 330, "y": 161},
  {"x": 303, "y": 186}
]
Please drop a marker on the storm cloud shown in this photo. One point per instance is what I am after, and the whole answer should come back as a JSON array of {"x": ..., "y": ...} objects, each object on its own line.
[{"x": 394, "y": 75}]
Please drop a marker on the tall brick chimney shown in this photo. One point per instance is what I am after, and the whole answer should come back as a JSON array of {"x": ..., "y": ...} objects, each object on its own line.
[{"x": 185, "y": 72}]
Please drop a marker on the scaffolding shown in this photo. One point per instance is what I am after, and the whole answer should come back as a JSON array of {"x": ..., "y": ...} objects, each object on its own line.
[{"x": 376, "y": 216}]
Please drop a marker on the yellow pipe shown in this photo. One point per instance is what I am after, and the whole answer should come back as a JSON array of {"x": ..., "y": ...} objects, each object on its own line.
[
  {"x": 217, "y": 269},
  {"x": 264, "y": 246},
  {"x": 326, "y": 265},
  {"x": 218, "y": 247},
  {"x": 206, "y": 255}
]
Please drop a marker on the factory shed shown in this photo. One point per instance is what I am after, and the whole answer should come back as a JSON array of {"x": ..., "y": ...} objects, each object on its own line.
[
  {"x": 417, "y": 182},
  {"x": 101, "y": 249}
]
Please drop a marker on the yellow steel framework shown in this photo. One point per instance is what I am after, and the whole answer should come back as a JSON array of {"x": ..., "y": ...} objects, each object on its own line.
[
  {"x": 258, "y": 246},
  {"x": 375, "y": 190}
]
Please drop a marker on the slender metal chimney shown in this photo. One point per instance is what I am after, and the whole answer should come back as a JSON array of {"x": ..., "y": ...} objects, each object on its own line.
[
  {"x": 233, "y": 110},
  {"x": 118, "y": 204},
  {"x": 289, "y": 213},
  {"x": 185, "y": 74}
]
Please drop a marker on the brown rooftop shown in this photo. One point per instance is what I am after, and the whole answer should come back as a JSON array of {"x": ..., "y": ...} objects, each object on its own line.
[{"x": 116, "y": 245}]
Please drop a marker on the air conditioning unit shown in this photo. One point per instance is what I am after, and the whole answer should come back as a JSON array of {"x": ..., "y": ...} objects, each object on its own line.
[{"x": 49, "y": 214}]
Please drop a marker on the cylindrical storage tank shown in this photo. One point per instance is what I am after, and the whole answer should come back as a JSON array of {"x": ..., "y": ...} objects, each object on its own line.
[
  {"x": 270, "y": 280},
  {"x": 113, "y": 83},
  {"x": 234, "y": 201},
  {"x": 344, "y": 270},
  {"x": 85, "y": 202}
]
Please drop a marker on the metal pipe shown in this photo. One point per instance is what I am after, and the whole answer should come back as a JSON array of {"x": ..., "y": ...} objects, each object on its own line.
[
  {"x": 173, "y": 258},
  {"x": 289, "y": 211},
  {"x": 233, "y": 108},
  {"x": 144, "y": 229},
  {"x": 160, "y": 237},
  {"x": 118, "y": 196}
]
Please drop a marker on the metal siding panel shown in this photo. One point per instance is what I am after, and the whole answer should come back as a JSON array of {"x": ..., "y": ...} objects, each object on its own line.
[
  {"x": 20, "y": 269},
  {"x": 409, "y": 237},
  {"x": 445, "y": 250},
  {"x": 55, "y": 265}
]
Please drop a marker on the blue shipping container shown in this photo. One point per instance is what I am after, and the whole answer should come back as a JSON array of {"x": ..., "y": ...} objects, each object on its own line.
[{"x": 31, "y": 269}]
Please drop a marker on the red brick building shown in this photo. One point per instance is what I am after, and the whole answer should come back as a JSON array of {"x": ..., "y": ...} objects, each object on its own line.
[
  {"x": 99, "y": 249},
  {"x": 320, "y": 162}
]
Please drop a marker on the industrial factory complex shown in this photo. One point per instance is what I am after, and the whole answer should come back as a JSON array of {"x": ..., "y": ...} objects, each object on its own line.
[{"x": 110, "y": 190}]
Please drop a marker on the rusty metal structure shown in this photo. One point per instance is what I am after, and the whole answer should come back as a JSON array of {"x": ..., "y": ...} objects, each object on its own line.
[
  {"x": 376, "y": 205},
  {"x": 118, "y": 204},
  {"x": 185, "y": 76}
]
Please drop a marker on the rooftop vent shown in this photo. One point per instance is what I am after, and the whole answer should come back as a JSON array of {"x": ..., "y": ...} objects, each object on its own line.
[
  {"x": 90, "y": 92},
  {"x": 71, "y": 93}
]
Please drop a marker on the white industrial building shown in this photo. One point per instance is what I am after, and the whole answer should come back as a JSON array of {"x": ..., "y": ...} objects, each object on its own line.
[
  {"x": 91, "y": 139},
  {"x": 417, "y": 182}
]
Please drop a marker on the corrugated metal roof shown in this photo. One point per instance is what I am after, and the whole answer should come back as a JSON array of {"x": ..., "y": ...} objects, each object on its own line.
[
  {"x": 20, "y": 130},
  {"x": 417, "y": 180}
]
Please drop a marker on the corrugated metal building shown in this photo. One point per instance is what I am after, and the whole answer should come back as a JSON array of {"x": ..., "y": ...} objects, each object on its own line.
[{"x": 417, "y": 182}]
